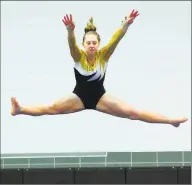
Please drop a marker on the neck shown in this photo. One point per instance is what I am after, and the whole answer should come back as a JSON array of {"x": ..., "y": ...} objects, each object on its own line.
[{"x": 91, "y": 58}]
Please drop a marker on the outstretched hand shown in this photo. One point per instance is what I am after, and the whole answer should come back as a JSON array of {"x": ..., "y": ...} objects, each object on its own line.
[
  {"x": 129, "y": 20},
  {"x": 68, "y": 21}
]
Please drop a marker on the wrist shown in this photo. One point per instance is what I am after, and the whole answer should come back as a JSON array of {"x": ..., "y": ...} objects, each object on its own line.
[
  {"x": 70, "y": 32},
  {"x": 125, "y": 27},
  {"x": 125, "y": 24}
]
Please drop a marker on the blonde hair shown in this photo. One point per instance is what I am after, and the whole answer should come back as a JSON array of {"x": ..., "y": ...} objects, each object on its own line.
[{"x": 91, "y": 29}]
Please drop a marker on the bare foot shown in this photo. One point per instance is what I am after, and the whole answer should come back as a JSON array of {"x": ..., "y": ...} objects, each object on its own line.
[
  {"x": 177, "y": 122},
  {"x": 16, "y": 109}
]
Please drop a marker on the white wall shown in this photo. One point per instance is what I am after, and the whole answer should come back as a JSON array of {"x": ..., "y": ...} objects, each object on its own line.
[{"x": 152, "y": 66}]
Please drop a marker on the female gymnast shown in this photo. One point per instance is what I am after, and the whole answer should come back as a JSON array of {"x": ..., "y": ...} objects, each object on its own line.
[{"x": 90, "y": 66}]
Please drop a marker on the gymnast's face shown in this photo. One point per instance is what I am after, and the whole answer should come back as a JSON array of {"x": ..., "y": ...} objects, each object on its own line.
[{"x": 91, "y": 44}]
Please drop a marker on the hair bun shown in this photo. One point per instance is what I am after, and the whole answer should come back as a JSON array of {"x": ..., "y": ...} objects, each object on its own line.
[
  {"x": 90, "y": 26},
  {"x": 89, "y": 29}
]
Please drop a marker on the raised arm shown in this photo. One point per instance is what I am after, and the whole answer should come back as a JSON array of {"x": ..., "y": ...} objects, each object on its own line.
[
  {"x": 118, "y": 35},
  {"x": 74, "y": 49}
]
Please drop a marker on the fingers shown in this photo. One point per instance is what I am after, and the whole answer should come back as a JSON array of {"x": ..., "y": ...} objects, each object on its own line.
[
  {"x": 133, "y": 14},
  {"x": 71, "y": 18},
  {"x": 131, "y": 20},
  {"x": 67, "y": 20}
]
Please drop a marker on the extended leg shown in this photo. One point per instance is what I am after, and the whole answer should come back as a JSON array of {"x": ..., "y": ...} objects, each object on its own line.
[
  {"x": 65, "y": 105},
  {"x": 110, "y": 105}
]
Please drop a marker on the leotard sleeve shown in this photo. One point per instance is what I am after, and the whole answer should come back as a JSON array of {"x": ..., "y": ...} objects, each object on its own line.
[
  {"x": 75, "y": 51},
  {"x": 108, "y": 50}
]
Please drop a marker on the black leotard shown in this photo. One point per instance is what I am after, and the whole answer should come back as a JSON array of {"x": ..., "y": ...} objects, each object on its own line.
[{"x": 89, "y": 79}]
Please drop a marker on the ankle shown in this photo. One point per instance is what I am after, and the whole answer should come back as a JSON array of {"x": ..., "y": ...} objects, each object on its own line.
[{"x": 21, "y": 110}]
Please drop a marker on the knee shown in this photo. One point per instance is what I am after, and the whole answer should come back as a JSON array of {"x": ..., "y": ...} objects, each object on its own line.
[
  {"x": 133, "y": 114},
  {"x": 53, "y": 109}
]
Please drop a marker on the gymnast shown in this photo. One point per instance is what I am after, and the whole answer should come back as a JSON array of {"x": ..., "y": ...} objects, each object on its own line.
[{"x": 90, "y": 64}]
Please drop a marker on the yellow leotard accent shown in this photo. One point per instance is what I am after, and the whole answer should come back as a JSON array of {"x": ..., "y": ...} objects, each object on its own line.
[{"x": 102, "y": 55}]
